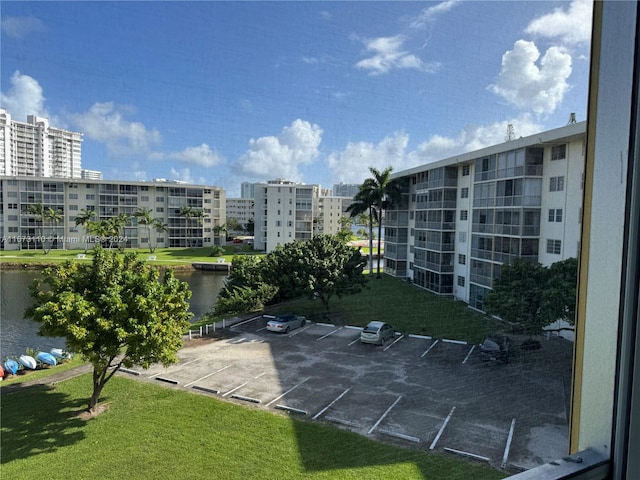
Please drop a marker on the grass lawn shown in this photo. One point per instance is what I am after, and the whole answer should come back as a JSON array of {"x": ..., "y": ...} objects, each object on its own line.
[
  {"x": 28, "y": 375},
  {"x": 163, "y": 256},
  {"x": 155, "y": 432},
  {"x": 408, "y": 308}
]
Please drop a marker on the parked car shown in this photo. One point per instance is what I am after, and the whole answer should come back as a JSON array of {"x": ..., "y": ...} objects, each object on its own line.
[
  {"x": 285, "y": 323},
  {"x": 496, "y": 347},
  {"x": 377, "y": 333}
]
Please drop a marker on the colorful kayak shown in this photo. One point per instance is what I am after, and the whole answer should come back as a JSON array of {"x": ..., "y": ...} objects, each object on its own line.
[
  {"x": 28, "y": 362},
  {"x": 11, "y": 366},
  {"x": 46, "y": 358},
  {"x": 1, "y": 372},
  {"x": 60, "y": 354}
]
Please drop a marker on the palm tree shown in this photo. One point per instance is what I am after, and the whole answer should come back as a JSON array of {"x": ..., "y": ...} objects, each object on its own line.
[
  {"x": 37, "y": 210},
  {"x": 363, "y": 202},
  {"x": 160, "y": 227},
  {"x": 219, "y": 230},
  {"x": 379, "y": 192},
  {"x": 54, "y": 217},
  {"x": 143, "y": 215},
  {"x": 85, "y": 218}
]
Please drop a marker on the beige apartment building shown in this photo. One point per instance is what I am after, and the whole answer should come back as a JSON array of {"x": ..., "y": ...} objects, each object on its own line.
[{"x": 21, "y": 230}]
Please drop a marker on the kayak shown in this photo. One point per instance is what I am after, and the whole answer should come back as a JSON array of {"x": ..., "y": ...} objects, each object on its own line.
[
  {"x": 11, "y": 366},
  {"x": 47, "y": 358},
  {"x": 28, "y": 362},
  {"x": 60, "y": 354}
]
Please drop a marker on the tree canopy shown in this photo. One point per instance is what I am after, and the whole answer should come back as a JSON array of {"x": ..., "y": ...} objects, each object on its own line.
[
  {"x": 114, "y": 312},
  {"x": 322, "y": 267},
  {"x": 533, "y": 295}
]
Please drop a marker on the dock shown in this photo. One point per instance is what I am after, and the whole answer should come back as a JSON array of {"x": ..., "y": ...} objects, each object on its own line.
[{"x": 213, "y": 266}]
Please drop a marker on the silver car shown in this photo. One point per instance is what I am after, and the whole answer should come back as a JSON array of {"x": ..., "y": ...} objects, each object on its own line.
[
  {"x": 377, "y": 333},
  {"x": 285, "y": 323}
]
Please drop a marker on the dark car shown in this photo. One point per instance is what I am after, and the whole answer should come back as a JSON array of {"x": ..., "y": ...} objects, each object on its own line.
[{"x": 496, "y": 347}]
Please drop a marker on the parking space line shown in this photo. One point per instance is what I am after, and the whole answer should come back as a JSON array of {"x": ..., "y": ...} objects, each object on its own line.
[
  {"x": 245, "y": 383},
  {"x": 391, "y": 345},
  {"x": 384, "y": 415},
  {"x": 430, "y": 347},
  {"x": 317, "y": 415},
  {"x": 468, "y": 355},
  {"x": 424, "y": 337},
  {"x": 288, "y": 391},
  {"x": 291, "y": 409},
  {"x": 207, "y": 376},
  {"x": 446, "y": 420},
  {"x": 326, "y": 324},
  {"x": 508, "y": 446},
  {"x": 457, "y": 342},
  {"x": 300, "y": 330},
  {"x": 467, "y": 454},
  {"x": 399, "y": 435},
  {"x": 347, "y": 423},
  {"x": 357, "y": 338},
  {"x": 330, "y": 333},
  {"x": 250, "y": 320}
]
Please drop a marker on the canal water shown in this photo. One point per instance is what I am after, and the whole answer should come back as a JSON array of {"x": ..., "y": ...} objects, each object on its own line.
[{"x": 17, "y": 334}]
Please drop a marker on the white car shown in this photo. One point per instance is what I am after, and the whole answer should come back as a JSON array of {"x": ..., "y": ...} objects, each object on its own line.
[
  {"x": 285, "y": 323},
  {"x": 376, "y": 332}
]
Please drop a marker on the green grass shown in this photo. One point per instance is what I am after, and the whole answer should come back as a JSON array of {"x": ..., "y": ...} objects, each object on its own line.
[
  {"x": 164, "y": 256},
  {"x": 151, "y": 432},
  {"x": 408, "y": 308}
]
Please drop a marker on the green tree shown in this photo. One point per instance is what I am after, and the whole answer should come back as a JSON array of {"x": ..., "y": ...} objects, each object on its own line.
[
  {"x": 219, "y": 230},
  {"x": 517, "y": 295},
  {"x": 322, "y": 267},
  {"x": 114, "y": 312},
  {"x": 364, "y": 203},
  {"x": 143, "y": 215},
  {"x": 559, "y": 295},
  {"x": 45, "y": 217},
  {"x": 250, "y": 227},
  {"x": 84, "y": 219}
]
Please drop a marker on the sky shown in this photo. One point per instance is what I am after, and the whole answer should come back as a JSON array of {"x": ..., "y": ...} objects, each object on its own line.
[{"x": 219, "y": 93}]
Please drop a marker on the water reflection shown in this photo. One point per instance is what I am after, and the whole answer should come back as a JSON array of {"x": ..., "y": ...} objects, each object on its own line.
[{"x": 17, "y": 333}]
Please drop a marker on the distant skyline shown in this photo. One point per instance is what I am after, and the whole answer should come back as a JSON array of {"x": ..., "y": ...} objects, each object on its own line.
[{"x": 219, "y": 93}]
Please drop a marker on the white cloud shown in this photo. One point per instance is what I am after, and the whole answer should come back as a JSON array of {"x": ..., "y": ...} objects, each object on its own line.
[
  {"x": 20, "y": 27},
  {"x": 106, "y": 123},
  {"x": 429, "y": 14},
  {"x": 280, "y": 156},
  {"x": 184, "y": 175},
  {"x": 529, "y": 84},
  {"x": 570, "y": 26},
  {"x": 388, "y": 55},
  {"x": 470, "y": 138},
  {"x": 24, "y": 98},
  {"x": 352, "y": 164},
  {"x": 201, "y": 155}
]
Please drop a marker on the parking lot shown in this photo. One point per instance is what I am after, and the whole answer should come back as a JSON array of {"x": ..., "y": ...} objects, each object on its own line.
[{"x": 431, "y": 394}]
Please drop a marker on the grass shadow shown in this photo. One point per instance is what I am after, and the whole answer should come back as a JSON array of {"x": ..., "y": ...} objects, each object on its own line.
[{"x": 31, "y": 431}]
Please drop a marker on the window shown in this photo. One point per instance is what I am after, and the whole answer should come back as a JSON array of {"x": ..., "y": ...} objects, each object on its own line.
[
  {"x": 90, "y": 196},
  {"x": 462, "y": 237},
  {"x": 73, "y": 196},
  {"x": 464, "y": 192},
  {"x": 555, "y": 215},
  {"x": 144, "y": 198},
  {"x": 554, "y": 247},
  {"x": 462, "y": 259},
  {"x": 559, "y": 152},
  {"x": 464, "y": 214},
  {"x": 465, "y": 170},
  {"x": 160, "y": 199},
  {"x": 73, "y": 207},
  {"x": 460, "y": 281},
  {"x": 556, "y": 184}
]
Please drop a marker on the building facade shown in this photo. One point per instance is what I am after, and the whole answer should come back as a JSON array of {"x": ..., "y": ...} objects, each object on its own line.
[
  {"x": 346, "y": 189},
  {"x": 463, "y": 217},
  {"x": 35, "y": 149},
  {"x": 242, "y": 210},
  {"x": 287, "y": 211},
  {"x": 20, "y": 229}
]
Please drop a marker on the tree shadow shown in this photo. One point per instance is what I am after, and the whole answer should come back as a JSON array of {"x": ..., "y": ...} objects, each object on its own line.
[{"x": 27, "y": 432}]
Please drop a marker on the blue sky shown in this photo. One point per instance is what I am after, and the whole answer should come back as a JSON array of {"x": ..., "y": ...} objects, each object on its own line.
[{"x": 218, "y": 93}]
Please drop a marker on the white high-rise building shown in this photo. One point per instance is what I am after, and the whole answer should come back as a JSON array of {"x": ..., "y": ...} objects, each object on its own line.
[{"x": 35, "y": 149}]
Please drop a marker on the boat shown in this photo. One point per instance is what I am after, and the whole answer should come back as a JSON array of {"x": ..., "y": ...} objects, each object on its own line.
[
  {"x": 11, "y": 366},
  {"x": 1, "y": 372},
  {"x": 28, "y": 361},
  {"x": 47, "y": 358},
  {"x": 60, "y": 354}
]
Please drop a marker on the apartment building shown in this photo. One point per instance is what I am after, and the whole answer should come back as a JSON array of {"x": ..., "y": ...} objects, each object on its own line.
[
  {"x": 463, "y": 217},
  {"x": 240, "y": 209},
  {"x": 21, "y": 230},
  {"x": 286, "y": 211},
  {"x": 346, "y": 189},
  {"x": 34, "y": 148}
]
